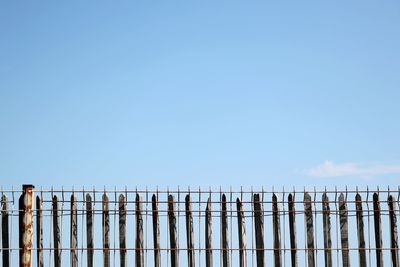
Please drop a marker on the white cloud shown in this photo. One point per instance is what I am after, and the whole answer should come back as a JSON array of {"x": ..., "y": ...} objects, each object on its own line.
[{"x": 331, "y": 169}]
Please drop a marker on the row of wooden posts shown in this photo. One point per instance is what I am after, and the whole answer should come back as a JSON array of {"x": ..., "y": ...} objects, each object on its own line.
[{"x": 26, "y": 231}]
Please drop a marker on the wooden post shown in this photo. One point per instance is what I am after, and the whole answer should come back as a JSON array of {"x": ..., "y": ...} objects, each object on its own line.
[
  {"x": 310, "y": 229},
  {"x": 208, "y": 234},
  {"x": 156, "y": 232},
  {"x": 344, "y": 230},
  {"x": 360, "y": 232},
  {"x": 277, "y": 232},
  {"x": 74, "y": 232},
  {"x": 225, "y": 235},
  {"x": 122, "y": 229},
  {"x": 172, "y": 232},
  {"x": 241, "y": 233},
  {"x": 89, "y": 230},
  {"x": 393, "y": 232},
  {"x": 4, "y": 231},
  {"x": 56, "y": 234},
  {"x": 189, "y": 232},
  {"x": 378, "y": 230},
  {"x": 259, "y": 229},
  {"x": 25, "y": 226},
  {"x": 292, "y": 230},
  {"x": 139, "y": 233},
  {"x": 326, "y": 218},
  {"x": 106, "y": 231}
]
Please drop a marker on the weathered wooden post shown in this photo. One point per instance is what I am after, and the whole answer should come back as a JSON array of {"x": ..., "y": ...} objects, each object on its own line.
[
  {"x": 173, "y": 236},
  {"x": 56, "y": 233},
  {"x": 393, "y": 232},
  {"x": 25, "y": 226},
  {"x": 241, "y": 233},
  {"x": 74, "y": 232},
  {"x": 378, "y": 231},
  {"x": 89, "y": 230},
  {"x": 139, "y": 257},
  {"x": 106, "y": 231},
  {"x": 310, "y": 229},
  {"x": 259, "y": 229},
  {"x": 277, "y": 232},
  {"x": 4, "y": 231},
  {"x": 122, "y": 229},
  {"x": 189, "y": 232},
  {"x": 156, "y": 231},
  {"x": 225, "y": 233},
  {"x": 344, "y": 232},
  {"x": 326, "y": 218},
  {"x": 360, "y": 232},
  {"x": 208, "y": 234},
  {"x": 292, "y": 230}
]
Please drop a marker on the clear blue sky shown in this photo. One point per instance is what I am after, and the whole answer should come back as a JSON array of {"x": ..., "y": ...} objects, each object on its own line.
[{"x": 202, "y": 93}]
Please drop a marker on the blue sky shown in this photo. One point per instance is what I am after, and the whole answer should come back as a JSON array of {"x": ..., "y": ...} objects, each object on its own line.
[{"x": 202, "y": 93}]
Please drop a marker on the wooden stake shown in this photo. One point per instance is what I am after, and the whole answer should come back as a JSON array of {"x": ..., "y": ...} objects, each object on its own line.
[
  {"x": 156, "y": 232},
  {"x": 393, "y": 232},
  {"x": 259, "y": 230},
  {"x": 208, "y": 234},
  {"x": 241, "y": 233},
  {"x": 225, "y": 233},
  {"x": 106, "y": 231},
  {"x": 189, "y": 232},
  {"x": 277, "y": 232},
  {"x": 122, "y": 229},
  {"x": 56, "y": 234},
  {"x": 292, "y": 230},
  {"x": 360, "y": 232},
  {"x": 344, "y": 235},
  {"x": 139, "y": 233},
  {"x": 173, "y": 232},
  {"x": 378, "y": 230},
  {"x": 74, "y": 232},
  {"x": 310, "y": 229},
  {"x": 326, "y": 217},
  {"x": 4, "y": 231},
  {"x": 89, "y": 230}
]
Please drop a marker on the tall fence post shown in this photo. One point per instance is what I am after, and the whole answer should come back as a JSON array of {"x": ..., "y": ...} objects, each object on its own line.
[
  {"x": 122, "y": 229},
  {"x": 360, "y": 232},
  {"x": 4, "y": 231},
  {"x": 310, "y": 229},
  {"x": 139, "y": 233},
  {"x": 292, "y": 230},
  {"x": 56, "y": 233},
  {"x": 156, "y": 231},
  {"x": 106, "y": 231},
  {"x": 225, "y": 233},
  {"x": 259, "y": 230},
  {"x": 74, "y": 232},
  {"x": 326, "y": 220},
  {"x": 189, "y": 231},
  {"x": 89, "y": 230},
  {"x": 378, "y": 231},
  {"x": 208, "y": 234},
  {"x": 344, "y": 232},
  {"x": 393, "y": 232},
  {"x": 25, "y": 226},
  {"x": 277, "y": 232},
  {"x": 241, "y": 233},
  {"x": 173, "y": 236}
]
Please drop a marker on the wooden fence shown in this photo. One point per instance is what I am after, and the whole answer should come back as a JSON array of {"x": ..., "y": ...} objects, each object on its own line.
[{"x": 199, "y": 228}]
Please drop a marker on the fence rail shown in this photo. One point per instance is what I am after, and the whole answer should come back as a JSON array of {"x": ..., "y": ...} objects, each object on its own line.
[{"x": 199, "y": 227}]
